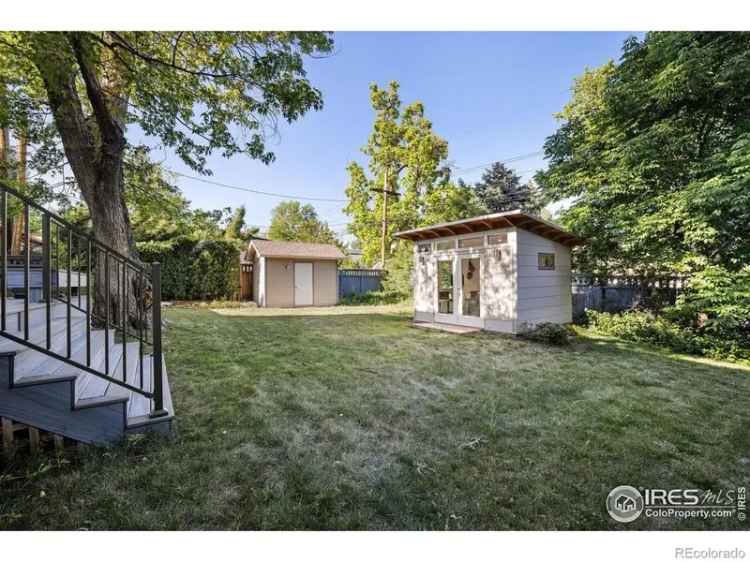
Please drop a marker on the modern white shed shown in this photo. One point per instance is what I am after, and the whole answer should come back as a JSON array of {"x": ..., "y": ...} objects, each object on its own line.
[{"x": 498, "y": 272}]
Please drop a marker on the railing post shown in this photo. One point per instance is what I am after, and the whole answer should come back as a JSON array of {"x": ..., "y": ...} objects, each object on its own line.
[
  {"x": 3, "y": 256},
  {"x": 26, "y": 270},
  {"x": 47, "y": 278},
  {"x": 158, "y": 388}
]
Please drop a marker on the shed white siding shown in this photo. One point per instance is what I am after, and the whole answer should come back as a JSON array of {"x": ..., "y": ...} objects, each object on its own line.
[
  {"x": 543, "y": 295},
  {"x": 498, "y": 280},
  {"x": 514, "y": 291},
  {"x": 425, "y": 285}
]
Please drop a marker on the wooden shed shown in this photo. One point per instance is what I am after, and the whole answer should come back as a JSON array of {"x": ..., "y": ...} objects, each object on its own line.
[
  {"x": 289, "y": 274},
  {"x": 499, "y": 272}
]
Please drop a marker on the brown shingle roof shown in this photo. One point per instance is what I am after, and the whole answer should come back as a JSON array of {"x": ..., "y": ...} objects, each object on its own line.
[{"x": 279, "y": 249}]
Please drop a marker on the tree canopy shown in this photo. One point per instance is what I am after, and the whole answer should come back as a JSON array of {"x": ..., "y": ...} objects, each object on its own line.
[
  {"x": 199, "y": 93},
  {"x": 500, "y": 189},
  {"x": 407, "y": 156},
  {"x": 290, "y": 220},
  {"x": 654, "y": 153}
]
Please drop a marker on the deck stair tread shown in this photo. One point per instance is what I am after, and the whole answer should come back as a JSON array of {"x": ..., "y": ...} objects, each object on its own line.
[
  {"x": 14, "y": 306},
  {"x": 38, "y": 333},
  {"x": 97, "y": 386},
  {"x": 35, "y": 362},
  {"x": 50, "y": 366}
]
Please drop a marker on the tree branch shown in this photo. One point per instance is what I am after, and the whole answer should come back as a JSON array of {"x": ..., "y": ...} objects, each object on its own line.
[{"x": 110, "y": 130}]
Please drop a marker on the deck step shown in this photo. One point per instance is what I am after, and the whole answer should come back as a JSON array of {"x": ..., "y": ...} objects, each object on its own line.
[
  {"x": 37, "y": 315},
  {"x": 38, "y": 334},
  {"x": 140, "y": 406},
  {"x": 30, "y": 361}
]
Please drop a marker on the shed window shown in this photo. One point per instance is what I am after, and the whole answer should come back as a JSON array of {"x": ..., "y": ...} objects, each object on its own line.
[
  {"x": 495, "y": 239},
  {"x": 423, "y": 248},
  {"x": 470, "y": 242},
  {"x": 445, "y": 245},
  {"x": 546, "y": 262}
]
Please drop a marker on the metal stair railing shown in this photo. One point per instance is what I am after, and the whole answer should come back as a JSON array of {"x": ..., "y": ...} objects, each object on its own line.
[{"x": 123, "y": 296}]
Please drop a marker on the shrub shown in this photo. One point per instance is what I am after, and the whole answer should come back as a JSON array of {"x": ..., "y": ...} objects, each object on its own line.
[
  {"x": 373, "y": 298},
  {"x": 646, "y": 327},
  {"x": 546, "y": 332},
  {"x": 195, "y": 270},
  {"x": 716, "y": 304},
  {"x": 400, "y": 269}
]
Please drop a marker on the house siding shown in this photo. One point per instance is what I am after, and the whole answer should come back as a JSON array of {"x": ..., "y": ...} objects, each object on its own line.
[
  {"x": 498, "y": 300},
  {"x": 424, "y": 286},
  {"x": 543, "y": 296}
]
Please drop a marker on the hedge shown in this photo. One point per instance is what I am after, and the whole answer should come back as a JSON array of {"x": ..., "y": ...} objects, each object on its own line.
[{"x": 195, "y": 269}]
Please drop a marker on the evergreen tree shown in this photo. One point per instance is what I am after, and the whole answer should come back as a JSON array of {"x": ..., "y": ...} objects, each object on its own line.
[{"x": 501, "y": 190}]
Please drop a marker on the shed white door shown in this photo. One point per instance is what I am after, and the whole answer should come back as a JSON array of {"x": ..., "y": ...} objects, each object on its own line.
[{"x": 303, "y": 284}]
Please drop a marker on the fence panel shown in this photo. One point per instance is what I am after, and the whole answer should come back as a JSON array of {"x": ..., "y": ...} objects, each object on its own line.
[
  {"x": 359, "y": 281},
  {"x": 619, "y": 293}
]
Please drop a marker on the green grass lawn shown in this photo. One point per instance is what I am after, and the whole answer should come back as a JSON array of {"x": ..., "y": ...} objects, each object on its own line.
[{"x": 350, "y": 418}]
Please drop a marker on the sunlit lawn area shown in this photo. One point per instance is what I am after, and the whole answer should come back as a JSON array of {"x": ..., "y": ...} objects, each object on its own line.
[{"x": 350, "y": 418}]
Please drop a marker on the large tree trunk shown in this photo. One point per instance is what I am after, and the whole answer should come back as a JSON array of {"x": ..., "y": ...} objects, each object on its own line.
[
  {"x": 4, "y": 148},
  {"x": 19, "y": 221},
  {"x": 94, "y": 146}
]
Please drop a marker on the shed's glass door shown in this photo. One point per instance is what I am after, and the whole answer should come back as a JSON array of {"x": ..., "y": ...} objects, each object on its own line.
[
  {"x": 470, "y": 287},
  {"x": 445, "y": 287}
]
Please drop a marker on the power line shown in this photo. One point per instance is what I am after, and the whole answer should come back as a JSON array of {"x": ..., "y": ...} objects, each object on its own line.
[
  {"x": 257, "y": 191},
  {"x": 504, "y": 161}
]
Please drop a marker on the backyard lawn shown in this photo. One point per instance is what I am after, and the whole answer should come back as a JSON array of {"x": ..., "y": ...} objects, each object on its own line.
[{"x": 350, "y": 418}]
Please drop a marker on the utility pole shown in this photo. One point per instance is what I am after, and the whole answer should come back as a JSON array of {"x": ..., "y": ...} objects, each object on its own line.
[
  {"x": 385, "y": 219},
  {"x": 384, "y": 232}
]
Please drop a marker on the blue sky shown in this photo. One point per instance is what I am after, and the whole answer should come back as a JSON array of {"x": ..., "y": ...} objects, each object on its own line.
[{"x": 490, "y": 95}]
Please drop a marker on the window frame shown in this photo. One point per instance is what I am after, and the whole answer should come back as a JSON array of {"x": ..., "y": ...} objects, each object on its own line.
[
  {"x": 439, "y": 242},
  {"x": 503, "y": 234},
  {"x": 460, "y": 245},
  {"x": 539, "y": 261}
]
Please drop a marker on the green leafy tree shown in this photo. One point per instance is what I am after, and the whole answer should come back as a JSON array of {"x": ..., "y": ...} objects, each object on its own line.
[
  {"x": 237, "y": 229},
  {"x": 407, "y": 157},
  {"x": 500, "y": 189},
  {"x": 97, "y": 83},
  {"x": 654, "y": 153},
  {"x": 158, "y": 210},
  {"x": 290, "y": 220}
]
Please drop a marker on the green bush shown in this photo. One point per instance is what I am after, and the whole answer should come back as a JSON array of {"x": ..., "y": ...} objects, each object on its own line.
[
  {"x": 400, "y": 268},
  {"x": 373, "y": 298},
  {"x": 716, "y": 304},
  {"x": 195, "y": 270},
  {"x": 646, "y": 327},
  {"x": 546, "y": 332}
]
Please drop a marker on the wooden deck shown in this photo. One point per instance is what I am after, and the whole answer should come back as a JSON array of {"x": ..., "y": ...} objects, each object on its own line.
[{"x": 40, "y": 391}]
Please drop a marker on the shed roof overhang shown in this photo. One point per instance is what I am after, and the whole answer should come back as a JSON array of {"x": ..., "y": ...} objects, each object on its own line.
[{"x": 508, "y": 219}]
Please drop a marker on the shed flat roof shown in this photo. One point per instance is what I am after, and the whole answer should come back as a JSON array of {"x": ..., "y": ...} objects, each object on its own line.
[
  {"x": 517, "y": 219},
  {"x": 302, "y": 250}
]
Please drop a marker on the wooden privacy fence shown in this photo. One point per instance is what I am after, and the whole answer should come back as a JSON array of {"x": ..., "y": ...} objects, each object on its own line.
[
  {"x": 620, "y": 292},
  {"x": 359, "y": 281}
]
